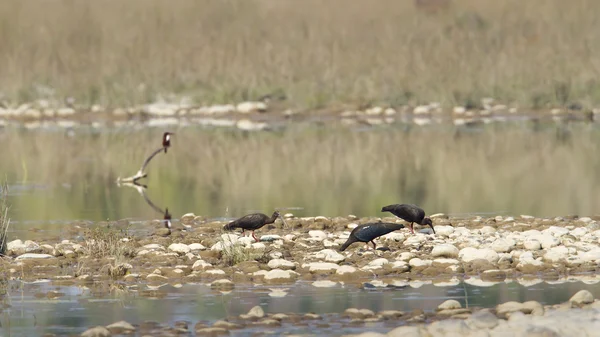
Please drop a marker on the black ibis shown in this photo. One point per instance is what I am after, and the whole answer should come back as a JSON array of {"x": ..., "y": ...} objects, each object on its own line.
[
  {"x": 166, "y": 141},
  {"x": 252, "y": 222},
  {"x": 370, "y": 231},
  {"x": 409, "y": 213}
]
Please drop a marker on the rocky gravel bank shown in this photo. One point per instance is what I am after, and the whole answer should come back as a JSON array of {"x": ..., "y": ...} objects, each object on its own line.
[{"x": 198, "y": 250}]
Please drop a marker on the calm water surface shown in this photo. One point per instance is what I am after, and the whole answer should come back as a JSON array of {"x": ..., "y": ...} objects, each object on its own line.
[
  {"x": 29, "y": 312},
  {"x": 57, "y": 177}
]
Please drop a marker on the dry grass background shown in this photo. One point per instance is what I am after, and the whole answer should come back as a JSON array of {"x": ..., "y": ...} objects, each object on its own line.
[
  {"x": 532, "y": 53},
  {"x": 327, "y": 172}
]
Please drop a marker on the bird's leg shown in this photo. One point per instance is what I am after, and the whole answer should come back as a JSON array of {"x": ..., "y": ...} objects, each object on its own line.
[{"x": 254, "y": 236}]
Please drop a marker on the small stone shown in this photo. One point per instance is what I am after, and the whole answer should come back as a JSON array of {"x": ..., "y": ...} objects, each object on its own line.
[
  {"x": 279, "y": 276},
  {"x": 196, "y": 246},
  {"x": 470, "y": 254},
  {"x": 582, "y": 297},
  {"x": 120, "y": 327},
  {"x": 317, "y": 235},
  {"x": 281, "y": 264},
  {"x": 256, "y": 312},
  {"x": 28, "y": 256},
  {"x": 444, "y": 250},
  {"x": 532, "y": 244},
  {"x": 179, "y": 248},
  {"x": 212, "y": 331},
  {"x": 418, "y": 263},
  {"x": 226, "y": 325},
  {"x": 449, "y": 304},
  {"x": 98, "y": 331},
  {"x": 321, "y": 267},
  {"x": 346, "y": 270},
  {"x": 330, "y": 255},
  {"x": 358, "y": 313},
  {"x": 201, "y": 265},
  {"x": 503, "y": 245}
]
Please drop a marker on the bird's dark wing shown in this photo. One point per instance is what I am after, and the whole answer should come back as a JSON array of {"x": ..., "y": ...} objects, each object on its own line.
[
  {"x": 250, "y": 221},
  {"x": 371, "y": 231},
  {"x": 409, "y": 212},
  {"x": 150, "y": 158}
]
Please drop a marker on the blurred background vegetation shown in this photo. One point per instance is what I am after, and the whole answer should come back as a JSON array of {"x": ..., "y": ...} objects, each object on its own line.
[{"x": 533, "y": 53}]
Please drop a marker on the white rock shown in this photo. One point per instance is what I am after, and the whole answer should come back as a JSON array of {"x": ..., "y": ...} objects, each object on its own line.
[
  {"x": 249, "y": 107},
  {"x": 444, "y": 230},
  {"x": 317, "y": 235},
  {"x": 278, "y": 274},
  {"x": 201, "y": 265},
  {"x": 445, "y": 262},
  {"x": 590, "y": 256},
  {"x": 487, "y": 230},
  {"x": 220, "y": 109},
  {"x": 449, "y": 305},
  {"x": 547, "y": 241},
  {"x": 270, "y": 237},
  {"x": 470, "y": 254},
  {"x": 400, "y": 266},
  {"x": 378, "y": 263},
  {"x": 330, "y": 255},
  {"x": 406, "y": 256},
  {"x": 154, "y": 246},
  {"x": 444, "y": 250},
  {"x": 556, "y": 254},
  {"x": 532, "y": 244},
  {"x": 503, "y": 245},
  {"x": 394, "y": 236},
  {"x": 346, "y": 270},
  {"x": 582, "y": 297},
  {"x": 179, "y": 248},
  {"x": 281, "y": 264},
  {"x": 28, "y": 256},
  {"x": 579, "y": 232},
  {"x": 321, "y": 266},
  {"x": 556, "y": 231},
  {"x": 418, "y": 263},
  {"x": 196, "y": 246}
]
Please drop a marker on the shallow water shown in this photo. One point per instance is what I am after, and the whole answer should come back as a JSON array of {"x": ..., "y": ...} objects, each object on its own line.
[{"x": 29, "y": 311}]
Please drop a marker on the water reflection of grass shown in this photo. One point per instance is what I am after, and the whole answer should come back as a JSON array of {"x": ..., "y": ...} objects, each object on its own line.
[
  {"x": 328, "y": 172},
  {"x": 533, "y": 52},
  {"x": 4, "y": 218}
]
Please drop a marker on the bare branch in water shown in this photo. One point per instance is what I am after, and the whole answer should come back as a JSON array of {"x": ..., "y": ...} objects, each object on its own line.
[
  {"x": 140, "y": 174},
  {"x": 142, "y": 191}
]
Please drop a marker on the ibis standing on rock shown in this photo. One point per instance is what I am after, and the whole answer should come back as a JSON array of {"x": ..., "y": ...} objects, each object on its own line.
[
  {"x": 409, "y": 213},
  {"x": 252, "y": 222},
  {"x": 370, "y": 231}
]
